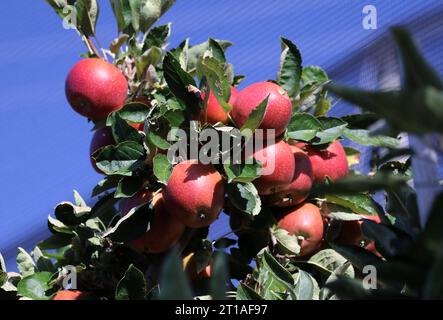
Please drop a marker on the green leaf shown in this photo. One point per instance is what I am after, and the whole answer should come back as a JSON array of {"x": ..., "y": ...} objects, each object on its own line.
[
  {"x": 215, "y": 76},
  {"x": 418, "y": 111},
  {"x": 109, "y": 182},
  {"x": 417, "y": 71},
  {"x": 273, "y": 278},
  {"x": 359, "y": 203},
  {"x": 118, "y": 42},
  {"x": 238, "y": 79},
  {"x": 179, "y": 81},
  {"x": 87, "y": 14},
  {"x": 120, "y": 159},
  {"x": 135, "y": 112},
  {"x": 356, "y": 183},
  {"x": 25, "y": 263},
  {"x": 313, "y": 75},
  {"x": 358, "y": 256},
  {"x": 151, "y": 11},
  {"x": 122, "y": 131},
  {"x": 56, "y": 226},
  {"x": 328, "y": 135},
  {"x": 328, "y": 261},
  {"x": 217, "y": 50},
  {"x": 304, "y": 121},
  {"x": 255, "y": 118},
  {"x": 246, "y": 293},
  {"x": 305, "y": 286},
  {"x": 35, "y": 286},
  {"x": 156, "y": 140},
  {"x": 364, "y": 138},
  {"x": 132, "y": 286},
  {"x": 341, "y": 213},
  {"x": 157, "y": 37},
  {"x": 123, "y": 14},
  {"x": 219, "y": 277},
  {"x": 162, "y": 168},
  {"x": 55, "y": 241},
  {"x": 42, "y": 262},
  {"x": 286, "y": 243},
  {"x": 244, "y": 196},
  {"x": 242, "y": 172},
  {"x": 290, "y": 68},
  {"x": 195, "y": 53},
  {"x": 134, "y": 224},
  {"x": 152, "y": 56},
  {"x": 128, "y": 186},
  {"x": 173, "y": 282}
]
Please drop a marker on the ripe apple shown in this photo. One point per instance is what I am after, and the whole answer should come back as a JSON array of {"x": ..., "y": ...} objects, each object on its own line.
[
  {"x": 298, "y": 190},
  {"x": 69, "y": 295},
  {"x": 278, "y": 167},
  {"x": 330, "y": 162},
  {"x": 95, "y": 88},
  {"x": 165, "y": 231},
  {"x": 304, "y": 220},
  {"x": 102, "y": 137},
  {"x": 214, "y": 111},
  {"x": 279, "y": 110},
  {"x": 194, "y": 193}
]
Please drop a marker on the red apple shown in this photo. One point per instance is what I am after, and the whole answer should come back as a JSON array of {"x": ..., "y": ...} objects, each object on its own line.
[
  {"x": 214, "y": 111},
  {"x": 298, "y": 190},
  {"x": 165, "y": 230},
  {"x": 95, "y": 88},
  {"x": 330, "y": 162},
  {"x": 304, "y": 220},
  {"x": 194, "y": 193},
  {"x": 278, "y": 112},
  {"x": 278, "y": 167}
]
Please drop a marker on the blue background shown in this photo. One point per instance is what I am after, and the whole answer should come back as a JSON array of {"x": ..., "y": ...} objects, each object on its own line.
[{"x": 44, "y": 144}]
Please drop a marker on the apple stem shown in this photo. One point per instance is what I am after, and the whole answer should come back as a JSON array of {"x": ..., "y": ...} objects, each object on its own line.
[
  {"x": 92, "y": 47},
  {"x": 105, "y": 56}
]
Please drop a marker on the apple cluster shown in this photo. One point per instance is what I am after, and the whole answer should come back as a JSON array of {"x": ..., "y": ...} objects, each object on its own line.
[{"x": 195, "y": 193}]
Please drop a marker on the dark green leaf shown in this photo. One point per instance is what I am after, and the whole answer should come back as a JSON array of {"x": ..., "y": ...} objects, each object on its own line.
[
  {"x": 217, "y": 50},
  {"x": 255, "y": 118},
  {"x": 157, "y": 37},
  {"x": 132, "y": 225},
  {"x": 242, "y": 172},
  {"x": 246, "y": 293},
  {"x": 55, "y": 241},
  {"x": 417, "y": 72},
  {"x": 290, "y": 68},
  {"x": 128, "y": 186},
  {"x": 109, "y": 182},
  {"x": 179, "y": 81},
  {"x": 132, "y": 286}
]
